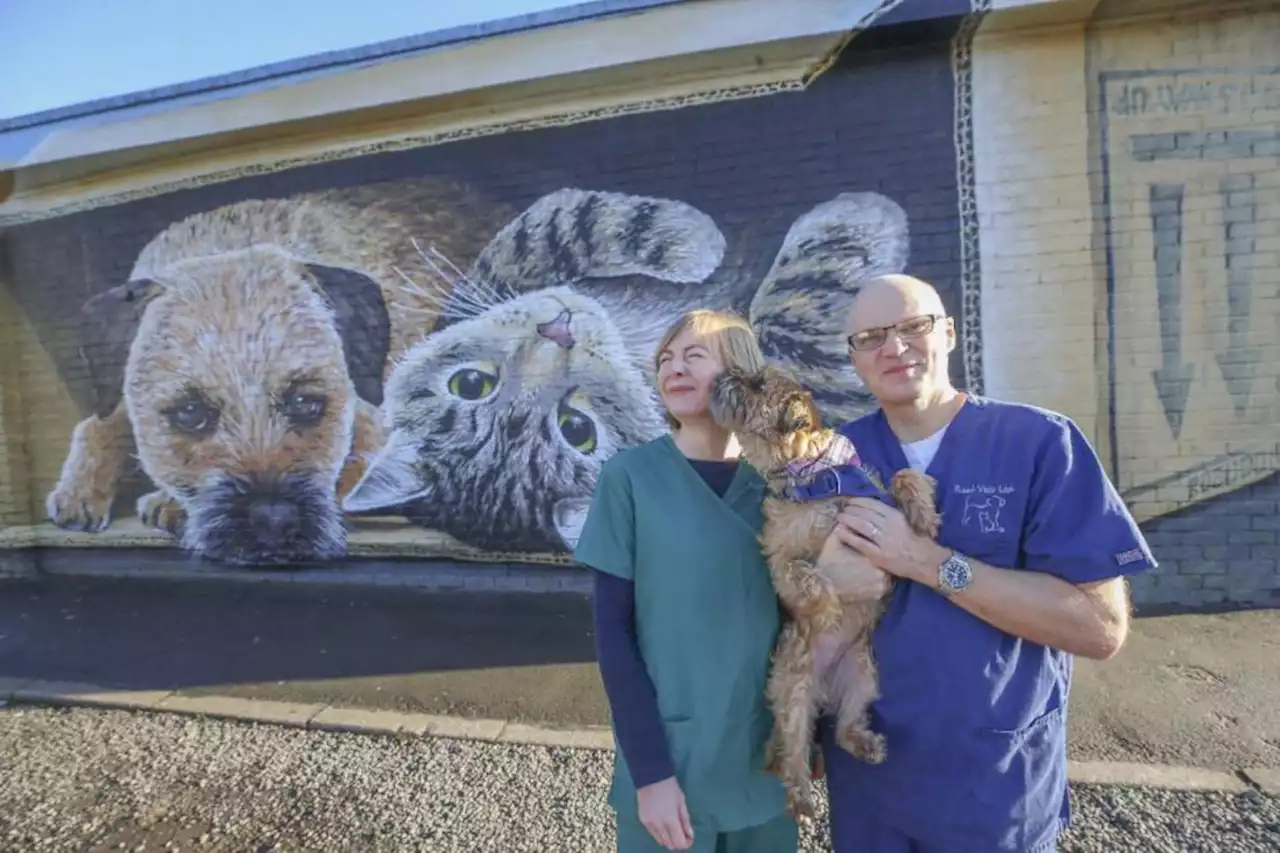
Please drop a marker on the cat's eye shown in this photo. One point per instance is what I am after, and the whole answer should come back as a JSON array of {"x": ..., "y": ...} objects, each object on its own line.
[
  {"x": 577, "y": 429},
  {"x": 472, "y": 384}
]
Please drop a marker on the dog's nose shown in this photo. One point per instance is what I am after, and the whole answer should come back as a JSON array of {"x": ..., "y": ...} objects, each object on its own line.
[{"x": 272, "y": 515}]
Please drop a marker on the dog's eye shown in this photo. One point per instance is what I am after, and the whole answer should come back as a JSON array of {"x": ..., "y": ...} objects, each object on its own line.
[
  {"x": 577, "y": 429},
  {"x": 472, "y": 384},
  {"x": 193, "y": 416},
  {"x": 304, "y": 409}
]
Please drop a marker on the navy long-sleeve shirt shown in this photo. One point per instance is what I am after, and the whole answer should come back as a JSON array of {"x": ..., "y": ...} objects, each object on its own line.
[{"x": 633, "y": 701}]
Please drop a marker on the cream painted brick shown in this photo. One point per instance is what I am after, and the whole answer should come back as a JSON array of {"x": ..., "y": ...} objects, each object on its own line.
[
  {"x": 1044, "y": 230},
  {"x": 1031, "y": 134},
  {"x": 1210, "y": 426}
]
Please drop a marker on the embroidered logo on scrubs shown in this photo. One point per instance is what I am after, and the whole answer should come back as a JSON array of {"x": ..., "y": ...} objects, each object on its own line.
[{"x": 985, "y": 510}]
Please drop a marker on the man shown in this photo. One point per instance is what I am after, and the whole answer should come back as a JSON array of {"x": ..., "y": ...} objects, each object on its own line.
[{"x": 976, "y": 646}]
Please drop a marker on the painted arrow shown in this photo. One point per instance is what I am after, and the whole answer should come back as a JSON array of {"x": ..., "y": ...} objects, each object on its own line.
[
  {"x": 1239, "y": 361},
  {"x": 1173, "y": 377}
]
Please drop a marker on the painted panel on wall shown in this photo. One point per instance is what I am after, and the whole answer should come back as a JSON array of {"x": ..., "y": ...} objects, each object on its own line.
[
  {"x": 433, "y": 351},
  {"x": 1191, "y": 196}
]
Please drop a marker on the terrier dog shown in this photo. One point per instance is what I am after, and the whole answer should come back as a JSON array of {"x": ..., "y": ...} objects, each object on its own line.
[
  {"x": 257, "y": 337},
  {"x": 822, "y": 662}
]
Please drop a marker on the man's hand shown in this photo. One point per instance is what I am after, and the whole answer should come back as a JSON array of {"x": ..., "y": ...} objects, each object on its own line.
[
  {"x": 880, "y": 533},
  {"x": 854, "y": 576},
  {"x": 663, "y": 812}
]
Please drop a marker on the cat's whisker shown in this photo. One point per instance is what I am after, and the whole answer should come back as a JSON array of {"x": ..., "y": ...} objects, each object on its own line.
[
  {"x": 434, "y": 299},
  {"x": 479, "y": 292},
  {"x": 463, "y": 299},
  {"x": 481, "y": 286},
  {"x": 460, "y": 303},
  {"x": 463, "y": 295}
]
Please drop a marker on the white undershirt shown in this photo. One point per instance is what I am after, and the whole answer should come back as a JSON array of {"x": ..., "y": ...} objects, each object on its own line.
[{"x": 920, "y": 453}]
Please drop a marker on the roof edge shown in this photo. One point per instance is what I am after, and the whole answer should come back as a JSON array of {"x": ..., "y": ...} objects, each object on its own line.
[{"x": 336, "y": 59}]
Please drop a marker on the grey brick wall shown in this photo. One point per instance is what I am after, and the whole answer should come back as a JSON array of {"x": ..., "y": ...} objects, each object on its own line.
[{"x": 1221, "y": 553}]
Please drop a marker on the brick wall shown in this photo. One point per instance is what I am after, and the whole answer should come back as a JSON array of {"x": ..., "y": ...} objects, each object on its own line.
[{"x": 1129, "y": 189}]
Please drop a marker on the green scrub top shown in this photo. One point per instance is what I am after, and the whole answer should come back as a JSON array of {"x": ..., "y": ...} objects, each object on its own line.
[{"x": 706, "y": 621}]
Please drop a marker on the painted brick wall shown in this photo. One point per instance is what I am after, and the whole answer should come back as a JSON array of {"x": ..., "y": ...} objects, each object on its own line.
[{"x": 1129, "y": 189}]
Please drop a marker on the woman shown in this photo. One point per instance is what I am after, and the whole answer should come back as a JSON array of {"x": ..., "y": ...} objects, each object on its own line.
[{"x": 686, "y": 616}]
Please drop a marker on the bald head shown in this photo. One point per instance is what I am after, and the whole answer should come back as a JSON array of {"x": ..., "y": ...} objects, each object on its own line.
[{"x": 886, "y": 299}]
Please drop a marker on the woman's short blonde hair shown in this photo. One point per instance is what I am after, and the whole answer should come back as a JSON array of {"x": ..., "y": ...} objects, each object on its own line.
[{"x": 726, "y": 334}]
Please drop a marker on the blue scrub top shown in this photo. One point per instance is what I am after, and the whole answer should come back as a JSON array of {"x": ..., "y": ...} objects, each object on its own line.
[{"x": 976, "y": 718}]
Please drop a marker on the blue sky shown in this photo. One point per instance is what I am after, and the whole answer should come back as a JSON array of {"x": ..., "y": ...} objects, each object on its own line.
[{"x": 69, "y": 51}]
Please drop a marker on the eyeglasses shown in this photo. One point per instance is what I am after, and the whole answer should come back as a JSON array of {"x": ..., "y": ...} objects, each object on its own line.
[{"x": 912, "y": 327}]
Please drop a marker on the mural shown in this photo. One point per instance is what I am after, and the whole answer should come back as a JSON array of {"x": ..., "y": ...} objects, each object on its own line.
[
  {"x": 446, "y": 344},
  {"x": 259, "y": 333}
]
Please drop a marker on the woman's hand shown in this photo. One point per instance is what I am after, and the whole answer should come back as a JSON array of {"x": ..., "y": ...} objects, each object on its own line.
[
  {"x": 663, "y": 812},
  {"x": 854, "y": 577}
]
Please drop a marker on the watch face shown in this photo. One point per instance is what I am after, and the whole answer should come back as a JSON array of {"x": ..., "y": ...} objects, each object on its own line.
[{"x": 955, "y": 573}]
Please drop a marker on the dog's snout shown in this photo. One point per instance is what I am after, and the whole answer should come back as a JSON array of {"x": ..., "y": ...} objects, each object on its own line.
[
  {"x": 268, "y": 520},
  {"x": 273, "y": 515},
  {"x": 794, "y": 415}
]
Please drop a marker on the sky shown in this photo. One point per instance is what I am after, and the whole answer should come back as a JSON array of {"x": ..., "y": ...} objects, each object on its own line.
[{"x": 69, "y": 51}]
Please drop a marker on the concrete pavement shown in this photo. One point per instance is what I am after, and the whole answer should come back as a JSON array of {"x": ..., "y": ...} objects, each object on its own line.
[{"x": 1191, "y": 690}]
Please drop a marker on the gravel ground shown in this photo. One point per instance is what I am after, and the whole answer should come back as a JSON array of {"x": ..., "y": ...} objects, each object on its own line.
[{"x": 84, "y": 779}]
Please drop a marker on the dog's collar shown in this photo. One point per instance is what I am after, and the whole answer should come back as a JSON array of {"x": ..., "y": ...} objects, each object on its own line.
[
  {"x": 839, "y": 451},
  {"x": 837, "y": 470}
]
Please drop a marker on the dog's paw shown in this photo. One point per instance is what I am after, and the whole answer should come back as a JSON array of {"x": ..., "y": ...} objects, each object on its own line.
[
  {"x": 914, "y": 493},
  {"x": 799, "y": 803},
  {"x": 821, "y": 605},
  {"x": 74, "y": 507},
  {"x": 157, "y": 509},
  {"x": 863, "y": 744},
  {"x": 352, "y": 470},
  {"x": 773, "y": 755}
]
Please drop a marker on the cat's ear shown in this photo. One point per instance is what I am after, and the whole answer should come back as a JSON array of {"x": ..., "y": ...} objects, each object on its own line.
[
  {"x": 360, "y": 314},
  {"x": 573, "y": 234},
  {"x": 800, "y": 309},
  {"x": 570, "y": 514},
  {"x": 391, "y": 480}
]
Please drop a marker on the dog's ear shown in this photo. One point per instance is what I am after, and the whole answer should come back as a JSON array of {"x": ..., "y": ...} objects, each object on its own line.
[
  {"x": 108, "y": 324},
  {"x": 360, "y": 314},
  {"x": 727, "y": 405}
]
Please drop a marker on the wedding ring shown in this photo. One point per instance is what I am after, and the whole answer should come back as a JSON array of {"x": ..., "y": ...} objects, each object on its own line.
[{"x": 875, "y": 532}]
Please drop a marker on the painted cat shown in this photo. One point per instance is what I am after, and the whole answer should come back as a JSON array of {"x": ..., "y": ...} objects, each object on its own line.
[{"x": 499, "y": 420}]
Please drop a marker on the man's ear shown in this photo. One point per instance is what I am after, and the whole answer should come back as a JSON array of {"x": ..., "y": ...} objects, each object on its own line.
[
  {"x": 360, "y": 314},
  {"x": 108, "y": 324}
]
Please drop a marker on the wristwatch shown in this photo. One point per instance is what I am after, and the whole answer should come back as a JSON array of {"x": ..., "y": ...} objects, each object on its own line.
[{"x": 954, "y": 575}]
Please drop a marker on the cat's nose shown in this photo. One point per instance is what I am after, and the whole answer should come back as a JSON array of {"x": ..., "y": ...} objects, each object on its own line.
[{"x": 558, "y": 331}]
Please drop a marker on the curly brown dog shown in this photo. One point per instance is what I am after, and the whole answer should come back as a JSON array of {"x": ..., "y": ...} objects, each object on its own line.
[{"x": 822, "y": 662}]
